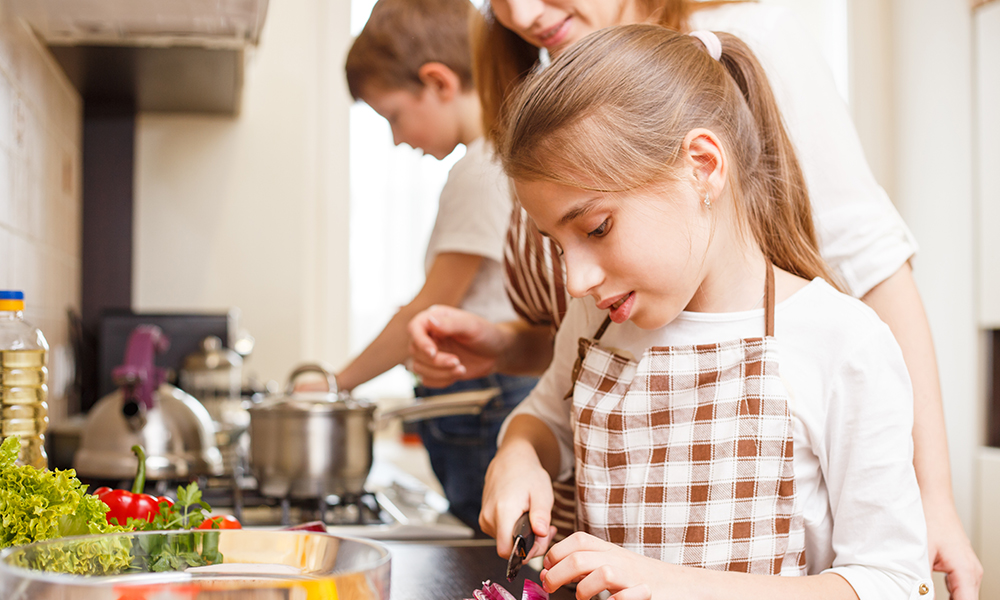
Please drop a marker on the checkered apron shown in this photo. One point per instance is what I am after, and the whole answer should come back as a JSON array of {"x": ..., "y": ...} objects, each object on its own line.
[{"x": 686, "y": 456}]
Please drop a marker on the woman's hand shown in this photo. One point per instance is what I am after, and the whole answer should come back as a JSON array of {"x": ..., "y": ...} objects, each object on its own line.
[
  {"x": 449, "y": 344},
  {"x": 597, "y": 565},
  {"x": 517, "y": 483},
  {"x": 952, "y": 553}
]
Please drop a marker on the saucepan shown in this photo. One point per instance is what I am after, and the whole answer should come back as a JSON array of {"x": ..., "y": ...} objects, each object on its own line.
[{"x": 318, "y": 444}]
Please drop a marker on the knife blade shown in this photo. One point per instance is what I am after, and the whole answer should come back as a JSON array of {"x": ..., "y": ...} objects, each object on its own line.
[{"x": 524, "y": 539}]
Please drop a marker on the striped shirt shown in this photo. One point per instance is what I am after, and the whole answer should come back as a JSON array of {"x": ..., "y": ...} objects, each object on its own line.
[{"x": 534, "y": 274}]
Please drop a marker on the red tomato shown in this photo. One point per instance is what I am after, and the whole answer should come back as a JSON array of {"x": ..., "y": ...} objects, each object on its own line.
[{"x": 222, "y": 522}]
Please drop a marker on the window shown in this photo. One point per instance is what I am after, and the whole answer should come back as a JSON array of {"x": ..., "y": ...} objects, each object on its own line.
[{"x": 394, "y": 192}]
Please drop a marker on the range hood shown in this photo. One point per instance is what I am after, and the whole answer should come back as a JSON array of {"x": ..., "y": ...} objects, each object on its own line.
[
  {"x": 180, "y": 56},
  {"x": 203, "y": 23}
]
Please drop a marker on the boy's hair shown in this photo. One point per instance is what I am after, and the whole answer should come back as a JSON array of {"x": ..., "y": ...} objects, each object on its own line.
[
  {"x": 612, "y": 112},
  {"x": 403, "y": 35}
]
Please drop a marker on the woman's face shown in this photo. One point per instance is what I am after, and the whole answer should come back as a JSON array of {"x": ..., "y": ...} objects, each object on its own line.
[{"x": 558, "y": 24}]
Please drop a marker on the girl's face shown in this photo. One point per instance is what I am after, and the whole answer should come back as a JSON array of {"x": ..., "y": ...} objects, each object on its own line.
[
  {"x": 642, "y": 254},
  {"x": 558, "y": 24}
]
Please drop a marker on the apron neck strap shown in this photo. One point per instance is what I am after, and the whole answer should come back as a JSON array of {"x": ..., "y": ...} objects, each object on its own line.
[{"x": 769, "y": 301}]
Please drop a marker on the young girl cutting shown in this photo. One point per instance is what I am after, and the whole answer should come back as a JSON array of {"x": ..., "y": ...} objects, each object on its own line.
[{"x": 731, "y": 415}]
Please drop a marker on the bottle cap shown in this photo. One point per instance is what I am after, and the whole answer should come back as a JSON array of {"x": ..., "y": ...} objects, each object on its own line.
[{"x": 11, "y": 300}]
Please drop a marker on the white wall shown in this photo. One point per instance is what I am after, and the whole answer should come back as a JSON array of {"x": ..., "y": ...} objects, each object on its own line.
[
  {"x": 252, "y": 211},
  {"x": 41, "y": 120}
]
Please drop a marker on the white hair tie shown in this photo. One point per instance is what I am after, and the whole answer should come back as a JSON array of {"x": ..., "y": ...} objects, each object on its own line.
[{"x": 711, "y": 41}]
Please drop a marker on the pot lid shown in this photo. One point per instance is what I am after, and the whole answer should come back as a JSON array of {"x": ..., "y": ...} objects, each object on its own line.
[
  {"x": 212, "y": 356},
  {"x": 312, "y": 402}
]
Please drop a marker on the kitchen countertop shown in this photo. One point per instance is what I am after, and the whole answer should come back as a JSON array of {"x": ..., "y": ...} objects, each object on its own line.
[{"x": 452, "y": 570}]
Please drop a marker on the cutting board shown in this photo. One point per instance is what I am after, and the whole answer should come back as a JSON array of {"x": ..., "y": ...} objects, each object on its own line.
[{"x": 451, "y": 570}]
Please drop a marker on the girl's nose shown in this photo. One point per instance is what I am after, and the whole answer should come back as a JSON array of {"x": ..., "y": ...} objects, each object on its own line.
[
  {"x": 582, "y": 275},
  {"x": 524, "y": 13}
]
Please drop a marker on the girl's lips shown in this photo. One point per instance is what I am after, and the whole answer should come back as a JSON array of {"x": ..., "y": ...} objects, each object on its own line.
[
  {"x": 555, "y": 36},
  {"x": 622, "y": 309}
]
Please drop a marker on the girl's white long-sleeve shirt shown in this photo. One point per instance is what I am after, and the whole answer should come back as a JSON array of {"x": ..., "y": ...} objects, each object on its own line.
[{"x": 852, "y": 412}]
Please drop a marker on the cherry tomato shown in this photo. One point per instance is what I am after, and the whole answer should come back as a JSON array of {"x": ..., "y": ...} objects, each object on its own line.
[{"x": 221, "y": 522}]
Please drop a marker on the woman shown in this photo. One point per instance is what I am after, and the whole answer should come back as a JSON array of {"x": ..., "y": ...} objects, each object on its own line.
[{"x": 861, "y": 236}]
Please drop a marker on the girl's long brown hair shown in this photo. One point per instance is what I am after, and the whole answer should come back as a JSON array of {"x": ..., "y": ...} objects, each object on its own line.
[
  {"x": 501, "y": 59},
  {"x": 611, "y": 114}
]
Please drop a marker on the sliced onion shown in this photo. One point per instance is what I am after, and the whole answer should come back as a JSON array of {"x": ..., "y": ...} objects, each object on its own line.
[
  {"x": 494, "y": 591},
  {"x": 501, "y": 593},
  {"x": 533, "y": 591}
]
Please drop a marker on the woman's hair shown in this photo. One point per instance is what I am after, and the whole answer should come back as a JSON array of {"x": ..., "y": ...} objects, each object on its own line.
[
  {"x": 611, "y": 114},
  {"x": 403, "y": 35},
  {"x": 501, "y": 59}
]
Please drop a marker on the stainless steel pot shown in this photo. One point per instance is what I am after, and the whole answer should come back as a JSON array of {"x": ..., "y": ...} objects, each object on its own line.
[
  {"x": 316, "y": 444},
  {"x": 311, "y": 444}
]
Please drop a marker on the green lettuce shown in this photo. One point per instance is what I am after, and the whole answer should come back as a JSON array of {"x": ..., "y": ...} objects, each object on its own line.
[{"x": 42, "y": 505}]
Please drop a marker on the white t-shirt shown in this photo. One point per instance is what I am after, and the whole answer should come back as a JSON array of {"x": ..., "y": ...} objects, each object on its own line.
[
  {"x": 860, "y": 233},
  {"x": 852, "y": 412},
  {"x": 473, "y": 213}
]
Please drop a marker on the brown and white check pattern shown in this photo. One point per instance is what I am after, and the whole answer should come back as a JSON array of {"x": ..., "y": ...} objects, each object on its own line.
[{"x": 686, "y": 456}]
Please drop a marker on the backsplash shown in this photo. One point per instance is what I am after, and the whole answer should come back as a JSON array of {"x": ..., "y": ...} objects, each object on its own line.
[{"x": 41, "y": 117}]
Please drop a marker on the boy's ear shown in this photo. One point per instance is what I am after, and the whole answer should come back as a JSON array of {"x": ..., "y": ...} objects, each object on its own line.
[{"x": 441, "y": 80}]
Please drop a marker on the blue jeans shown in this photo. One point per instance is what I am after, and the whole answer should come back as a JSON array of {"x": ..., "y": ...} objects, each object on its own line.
[{"x": 461, "y": 447}]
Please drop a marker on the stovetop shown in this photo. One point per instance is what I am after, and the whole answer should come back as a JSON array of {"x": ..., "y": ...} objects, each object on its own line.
[{"x": 395, "y": 506}]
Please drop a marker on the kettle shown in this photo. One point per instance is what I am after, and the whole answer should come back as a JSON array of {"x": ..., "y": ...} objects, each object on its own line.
[{"x": 174, "y": 428}]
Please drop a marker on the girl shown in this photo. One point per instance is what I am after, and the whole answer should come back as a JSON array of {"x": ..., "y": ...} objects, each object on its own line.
[
  {"x": 731, "y": 414},
  {"x": 860, "y": 233}
]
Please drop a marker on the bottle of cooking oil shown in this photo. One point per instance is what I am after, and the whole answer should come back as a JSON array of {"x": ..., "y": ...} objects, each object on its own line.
[{"x": 24, "y": 412}]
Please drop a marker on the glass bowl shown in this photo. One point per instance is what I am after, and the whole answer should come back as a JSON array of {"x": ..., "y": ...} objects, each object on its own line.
[{"x": 197, "y": 565}]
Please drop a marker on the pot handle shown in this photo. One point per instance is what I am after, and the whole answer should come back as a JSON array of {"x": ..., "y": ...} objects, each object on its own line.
[{"x": 331, "y": 380}]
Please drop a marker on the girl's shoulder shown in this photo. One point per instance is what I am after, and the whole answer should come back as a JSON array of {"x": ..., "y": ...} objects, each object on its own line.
[
  {"x": 819, "y": 315},
  {"x": 821, "y": 302}
]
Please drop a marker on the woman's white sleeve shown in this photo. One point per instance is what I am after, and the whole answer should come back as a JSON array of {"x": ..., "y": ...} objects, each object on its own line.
[
  {"x": 860, "y": 233},
  {"x": 546, "y": 401},
  {"x": 879, "y": 534}
]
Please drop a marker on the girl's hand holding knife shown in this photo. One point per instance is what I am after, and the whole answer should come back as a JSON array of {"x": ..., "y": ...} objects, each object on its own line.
[{"x": 517, "y": 485}]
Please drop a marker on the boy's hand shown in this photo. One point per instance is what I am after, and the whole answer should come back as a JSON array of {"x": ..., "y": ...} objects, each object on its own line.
[
  {"x": 449, "y": 344},
  {"x": 515, "y": 483}
]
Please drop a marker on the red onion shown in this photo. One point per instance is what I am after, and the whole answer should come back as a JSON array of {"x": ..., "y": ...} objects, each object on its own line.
[
  {"x": 533, "y": 591},
  {"x": 494, "y": 591},
  {"x": 318, "y": 526}
]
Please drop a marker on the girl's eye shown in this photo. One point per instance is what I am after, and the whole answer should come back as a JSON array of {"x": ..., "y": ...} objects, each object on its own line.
[{"x": 601, "y": 229}]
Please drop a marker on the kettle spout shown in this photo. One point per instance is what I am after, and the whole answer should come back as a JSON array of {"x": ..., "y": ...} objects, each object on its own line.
[{"x": 134, "y": 412}]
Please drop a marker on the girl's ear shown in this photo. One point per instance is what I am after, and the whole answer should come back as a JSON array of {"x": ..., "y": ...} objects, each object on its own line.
[
  {"x": 704, "y": 154},
  {"x": 440, "y": 80}
]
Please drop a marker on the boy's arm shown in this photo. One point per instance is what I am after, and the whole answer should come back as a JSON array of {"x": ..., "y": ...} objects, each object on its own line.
[
  {"x": 897, "y": 302},
  {"x": 447, "y": 282}
]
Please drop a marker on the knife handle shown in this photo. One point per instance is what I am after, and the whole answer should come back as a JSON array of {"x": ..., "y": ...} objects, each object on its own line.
[{"x": 524, "y": 537}]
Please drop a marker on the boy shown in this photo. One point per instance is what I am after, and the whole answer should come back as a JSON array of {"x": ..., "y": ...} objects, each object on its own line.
[{"x": 412, "y": 64}]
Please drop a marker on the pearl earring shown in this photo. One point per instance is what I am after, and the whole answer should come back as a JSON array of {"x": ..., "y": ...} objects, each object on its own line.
[{"x": 708, "y": 201}]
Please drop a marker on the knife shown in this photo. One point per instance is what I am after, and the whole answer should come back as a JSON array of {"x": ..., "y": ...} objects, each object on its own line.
[{"x": 524, "y": 539}]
